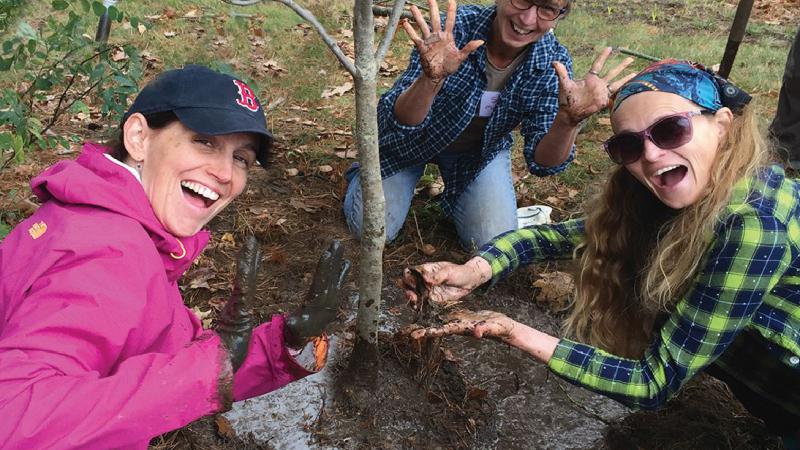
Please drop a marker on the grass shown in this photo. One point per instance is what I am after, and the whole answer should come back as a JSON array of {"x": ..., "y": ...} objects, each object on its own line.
[{"x": 244, "y": 38}]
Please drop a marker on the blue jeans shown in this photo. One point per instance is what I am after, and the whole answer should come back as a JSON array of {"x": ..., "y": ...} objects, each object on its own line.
[{"x": 485, "y": 209}]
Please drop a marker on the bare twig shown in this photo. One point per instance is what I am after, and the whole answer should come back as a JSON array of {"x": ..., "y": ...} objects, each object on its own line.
[
  {"x": 312, "y": 20},
  {"x": 394, "y": 19},
  {"x": 386, "y": 12},
  {"x": 329, "y": 41},
  {"x": 83, "y": 94},
  {"x": 421, "y": 242},
  {"x": 242, "y": 2}
]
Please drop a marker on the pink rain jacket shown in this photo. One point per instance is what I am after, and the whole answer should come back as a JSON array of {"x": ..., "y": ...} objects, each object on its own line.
[{"x": 97, "y": 349}]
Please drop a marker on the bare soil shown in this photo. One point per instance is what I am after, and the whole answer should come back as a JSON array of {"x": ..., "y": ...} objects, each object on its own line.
[{"x": 482, "y": 395}]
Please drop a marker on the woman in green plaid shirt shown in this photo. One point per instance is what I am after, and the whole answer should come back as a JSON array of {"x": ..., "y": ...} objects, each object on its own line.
[{"x": 689, "y": 260}]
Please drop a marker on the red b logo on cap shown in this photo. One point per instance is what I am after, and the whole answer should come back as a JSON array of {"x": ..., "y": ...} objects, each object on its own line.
[{"x": 246, "y": 96}]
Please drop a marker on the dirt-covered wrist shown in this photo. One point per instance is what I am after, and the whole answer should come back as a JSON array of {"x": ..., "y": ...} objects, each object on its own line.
[{"x": 482, "y": 270}]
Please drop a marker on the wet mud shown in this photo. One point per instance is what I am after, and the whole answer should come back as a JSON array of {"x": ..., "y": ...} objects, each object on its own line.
[{"x": 479, "y": 395}]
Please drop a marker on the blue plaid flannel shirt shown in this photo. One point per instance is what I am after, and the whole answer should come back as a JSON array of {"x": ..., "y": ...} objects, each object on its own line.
[
  {"x": 750, "y": 279},
  {"x": 530, "y": 98}
]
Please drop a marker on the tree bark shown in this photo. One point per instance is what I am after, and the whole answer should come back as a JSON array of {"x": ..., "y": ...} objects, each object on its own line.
[
  {"x": 365, "y": 73},
  {"x": 373, "y": 234}
]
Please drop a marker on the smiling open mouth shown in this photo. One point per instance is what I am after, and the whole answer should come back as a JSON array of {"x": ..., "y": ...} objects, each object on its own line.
[
  {"x": 519, "y": 30},
  {"x": 670, "y": 176},
  {"x": 200, "y": 195}
]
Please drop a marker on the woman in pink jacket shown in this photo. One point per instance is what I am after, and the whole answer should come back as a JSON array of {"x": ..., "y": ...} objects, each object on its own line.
[{"x": 97, "y": 349}]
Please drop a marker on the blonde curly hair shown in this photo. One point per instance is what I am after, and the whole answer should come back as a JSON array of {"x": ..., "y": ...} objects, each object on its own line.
[{"x": 640, "y": 256}]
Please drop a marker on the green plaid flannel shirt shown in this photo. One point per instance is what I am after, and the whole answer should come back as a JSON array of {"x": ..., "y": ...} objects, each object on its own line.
[{"x": 749, "y": 279}]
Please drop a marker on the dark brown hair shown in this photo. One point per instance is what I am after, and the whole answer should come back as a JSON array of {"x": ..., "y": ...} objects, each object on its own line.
[{"x": 154, "y": 120}]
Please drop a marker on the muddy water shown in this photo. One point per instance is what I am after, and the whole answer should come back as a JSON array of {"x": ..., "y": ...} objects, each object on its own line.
[{"x": 517, "y": 404}]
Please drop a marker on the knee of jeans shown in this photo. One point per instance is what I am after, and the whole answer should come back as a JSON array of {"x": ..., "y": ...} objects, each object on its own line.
[
  {"x": 472, "y": 238},
  {"x": 353, "y": 224}
]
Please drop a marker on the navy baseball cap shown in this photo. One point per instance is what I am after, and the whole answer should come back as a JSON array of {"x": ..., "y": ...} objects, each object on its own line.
[{"x": 207, "y": 102}]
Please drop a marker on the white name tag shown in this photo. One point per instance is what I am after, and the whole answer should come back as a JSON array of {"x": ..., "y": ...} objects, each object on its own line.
[{"x": 488, "y": 102}]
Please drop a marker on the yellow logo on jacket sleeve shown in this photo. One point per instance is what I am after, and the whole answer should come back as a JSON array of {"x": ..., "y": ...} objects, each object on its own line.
[{"x": 37, "y": 230}]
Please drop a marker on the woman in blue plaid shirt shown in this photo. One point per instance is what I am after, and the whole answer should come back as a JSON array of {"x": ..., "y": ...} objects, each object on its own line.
[
  {"x": 689, "y": 260},
  {"x": 458, "y": 102}
]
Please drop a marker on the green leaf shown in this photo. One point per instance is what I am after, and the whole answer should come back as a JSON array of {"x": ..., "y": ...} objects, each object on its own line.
[
  {"x": 98, "y": 9},
  {"x": 135, "y": 22},
  {"x": 60, "y": 5},
  {"x": 8, "y": 46},
  {"x": 5, "y": 64},
  {"x": 43, "y": 84},
  {"x": 79, "y": 106},
  {"x": 114, "y": 14},
  {"x": 85, "y": 5},
  {"x": 5, "y": 140},
  {"x": 4, "y": 229},
  {"x": 124, "y": 81},
  {"x": 97, "y": 72}
]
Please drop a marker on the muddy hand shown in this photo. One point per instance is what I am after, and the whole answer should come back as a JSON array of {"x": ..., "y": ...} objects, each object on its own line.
[
  {"x": 445, "y": 283},
  {"x": 581, "y": 98},
  {"x": 471, "y": 323},
  {"x": 323, "y": 299},
  {"x": 438, "y": 53},
  {"x": 236, "y": 320}
]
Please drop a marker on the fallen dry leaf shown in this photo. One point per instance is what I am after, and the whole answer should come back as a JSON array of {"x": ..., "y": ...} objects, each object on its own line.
[
  {"x": 192, "y": 14},
  {"x": 428, "y": 250},
  {"x": 555, "y": 289},
  {"x": 169, "y": 34},
  {"x": 204, "y": 316},
  {"x": 141, "y": 28},
  {"x": 198, "y": 278},
  {"x": 347, "y": 154},
  {"x": 555, "y": 201},
  {"x": 273, "y": 66},
  {"x": 260, "y": 212},
  {"x": 292, "y": 172},
  {"x": 337, "y": 91},
  {"x": 325, "y": 168},
  {"x": 224, "y": 428},
  {"x": 118, "y": 55},
  {"x": 227, "y": 239},
  {"x": 301, "y": 204}
]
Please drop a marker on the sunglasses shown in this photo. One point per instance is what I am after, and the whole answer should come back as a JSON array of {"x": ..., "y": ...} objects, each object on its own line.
[{"x": 666, "y": 133}]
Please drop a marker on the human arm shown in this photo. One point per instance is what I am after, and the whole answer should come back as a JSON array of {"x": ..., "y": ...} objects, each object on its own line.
[
  {"x": 744, "y": 263},
  {"x": 447, "y": 282},
  {"x": 438, "y": 58},
  {"x": 550, "y": 134},
  {"x": 497, "y": 326},
  {"x": 76, "y": 369},
  {"x": 98, "y": 357}
]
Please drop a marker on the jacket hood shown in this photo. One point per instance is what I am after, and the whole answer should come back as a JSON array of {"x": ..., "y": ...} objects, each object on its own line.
[{"x": 93, "y": 180}]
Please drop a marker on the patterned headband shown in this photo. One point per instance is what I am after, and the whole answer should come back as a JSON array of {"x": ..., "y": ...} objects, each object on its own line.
[{"x": 689, "y": 80}]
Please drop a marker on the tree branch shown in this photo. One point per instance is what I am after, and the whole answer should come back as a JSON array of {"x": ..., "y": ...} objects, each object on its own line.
[
  {"x": 311, "y": 19},
  {"x": 329, "y": 41},
  {"x": 394, "y": 19},
  {"x": 242, "y": 2}
]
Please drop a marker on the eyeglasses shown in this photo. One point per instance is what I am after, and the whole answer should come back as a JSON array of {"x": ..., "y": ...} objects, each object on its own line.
[
  {"x": 666, "y": 133},
  {"x": 544, "y": 12}
]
